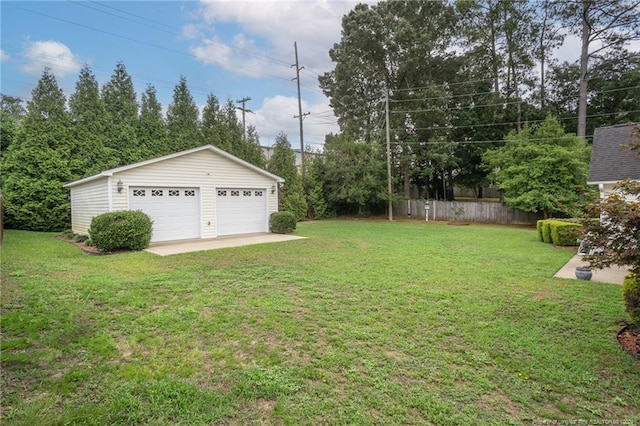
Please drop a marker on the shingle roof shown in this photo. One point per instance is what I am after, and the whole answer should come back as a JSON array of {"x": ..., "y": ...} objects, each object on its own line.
[{"x": 611, "y": 162}]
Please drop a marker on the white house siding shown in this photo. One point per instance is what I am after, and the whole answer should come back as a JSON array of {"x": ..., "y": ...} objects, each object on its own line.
[
  {"x": 88, "y": 200},
  {"x": 608, "y": 188},
  {"x": 205, "y": 170}
]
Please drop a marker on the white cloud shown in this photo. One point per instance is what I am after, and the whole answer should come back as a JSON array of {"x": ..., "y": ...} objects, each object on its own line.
[
  {"x": 51, "y": 54},
  {"x": 4, "y": 56},
  {"x": 275, "y": 116},
  {"x": 266, "y": 33}
]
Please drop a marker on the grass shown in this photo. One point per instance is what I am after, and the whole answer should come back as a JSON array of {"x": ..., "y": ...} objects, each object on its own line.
[{"x": 364, "y": 322}]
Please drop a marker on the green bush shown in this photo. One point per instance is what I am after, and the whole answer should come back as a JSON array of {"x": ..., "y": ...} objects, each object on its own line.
[
  {"x": 546, "y": 230},
  {"x": 78, "y": 238},
  {"x": 539, "y": 225},
  {"x": 282, "y": 222},
  {"x": 631, "y": 295},
  {"x": 68, "y": 234},
  {"x": 562, "y": 232},
  {"x": 121, "y": 230},
  {"x": 565, "y": 233}
]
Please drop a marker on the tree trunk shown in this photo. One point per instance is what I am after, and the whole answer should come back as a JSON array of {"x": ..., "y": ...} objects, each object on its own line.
[{"x": 584, "y": 71}]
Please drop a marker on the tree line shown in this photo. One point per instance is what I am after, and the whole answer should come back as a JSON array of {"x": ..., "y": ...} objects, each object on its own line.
[
  {"x": 468, "y": 77},
  {"x": 473, "y": 95},
  {"x": 54, "y": 140}
]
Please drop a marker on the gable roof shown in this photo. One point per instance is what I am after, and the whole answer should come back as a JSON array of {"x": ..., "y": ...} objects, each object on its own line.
[
  {"x": 611, "y": 162},
  {"x": 212, "y": 148}
]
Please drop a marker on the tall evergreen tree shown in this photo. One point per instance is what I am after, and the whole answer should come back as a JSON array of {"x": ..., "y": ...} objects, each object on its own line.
[
  {"x": 214, "y": 127},
  {"x": 36, "y": 166},
  {"x": 252, "y": 149},
  {"x": 152, "y": 128},
  {"x": 282, "y": 163},
  {"x": 182, "y": 119},
  {"x": 119, "y": 98},
  {"x": 11, "y": 113},
  {"x": 234, "y": 129},
  {"x": 90, "y": 153}
]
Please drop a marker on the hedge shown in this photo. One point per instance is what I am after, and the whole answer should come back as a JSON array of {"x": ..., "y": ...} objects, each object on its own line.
[
  {"x": 560, "y": 232},
  {"x": 631, "y": 294},
  {"x": 121, "y": 230}
]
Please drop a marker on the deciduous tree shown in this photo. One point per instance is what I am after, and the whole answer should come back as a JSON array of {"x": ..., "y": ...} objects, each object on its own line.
[{"x": 543, "y": 169}]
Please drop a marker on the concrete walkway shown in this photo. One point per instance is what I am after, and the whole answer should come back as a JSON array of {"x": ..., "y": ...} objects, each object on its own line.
[
  {"x": 167, "y": 248},
  {"x": 612, "y": 275}
]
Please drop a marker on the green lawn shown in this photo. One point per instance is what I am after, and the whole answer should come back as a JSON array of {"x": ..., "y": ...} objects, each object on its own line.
[{"x": 364, "y": 322}]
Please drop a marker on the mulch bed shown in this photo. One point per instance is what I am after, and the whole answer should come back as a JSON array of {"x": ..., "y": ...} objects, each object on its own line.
[
  {"x": 82, "y": 246},
  {"x": 629, "y": 339}
]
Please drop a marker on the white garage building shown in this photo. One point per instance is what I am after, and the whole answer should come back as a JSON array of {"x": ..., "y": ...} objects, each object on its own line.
[{"x": 203, "y": 192}]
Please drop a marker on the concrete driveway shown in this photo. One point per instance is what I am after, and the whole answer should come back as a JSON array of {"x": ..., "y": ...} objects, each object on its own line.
[
  {"x": 167, "y": 248},
  {"x": 613, "y": 275}
]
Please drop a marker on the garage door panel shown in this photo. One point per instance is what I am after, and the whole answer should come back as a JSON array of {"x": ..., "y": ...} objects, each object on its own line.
[
  {"x": 241, "y": 211},
  {"x": 175, "y": 211}
]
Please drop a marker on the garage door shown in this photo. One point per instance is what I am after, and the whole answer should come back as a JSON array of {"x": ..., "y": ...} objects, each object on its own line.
[
  {"x": 241, "y": 211},
  {"x": 175, "y": 211}
]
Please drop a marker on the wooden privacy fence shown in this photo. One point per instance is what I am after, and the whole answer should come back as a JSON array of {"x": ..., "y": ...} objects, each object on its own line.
[{"x": 466, "y": 211}]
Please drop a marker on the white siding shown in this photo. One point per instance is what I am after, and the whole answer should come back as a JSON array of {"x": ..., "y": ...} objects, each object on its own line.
[
  {"x": 205, "y": 170},
  {"x": 87, "y": 201}
]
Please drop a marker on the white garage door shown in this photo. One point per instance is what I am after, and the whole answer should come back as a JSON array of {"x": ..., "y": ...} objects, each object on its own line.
[
  {"x": 241, "y": 211},
  {"x": 175, "y": 211}
]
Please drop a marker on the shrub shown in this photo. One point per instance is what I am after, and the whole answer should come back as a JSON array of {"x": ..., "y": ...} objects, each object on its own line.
[
  {"x": 80, "y": 238},
  {"x": 565, "y": 233},
  {"x": 546, "y": 231},
  {"x": 631, "y": 295},
  {"x": 121, "y": 230},
  {"x": 562, "y": 232},
  {"x": 68, "y": 234},
  {"x": 282, "y": 222},
  {"x": 539, "y": 229}
]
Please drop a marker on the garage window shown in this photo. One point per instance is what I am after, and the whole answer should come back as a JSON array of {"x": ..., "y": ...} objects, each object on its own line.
[
  {"x": 258, "y": 193},
  {"x": 174, "y": 193},
  {"x": 235, "y": 193},
  {"x": 189, "y": 193},
  {"x": 156, "y": 192},
  {"x": 246, "y": 193},
  {"x": 222, "y": 193},
  {"x": 138, "y": 192}
]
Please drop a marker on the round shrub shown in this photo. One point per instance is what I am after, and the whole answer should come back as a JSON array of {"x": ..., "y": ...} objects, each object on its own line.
[
  {"x": 282, "y": 222},
  {"x": 631, "y": 294},
  {"x": 121, "y": 230}
]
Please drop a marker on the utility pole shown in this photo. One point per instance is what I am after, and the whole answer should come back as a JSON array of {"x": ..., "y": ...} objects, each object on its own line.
[
  {"x": 300, "y": 115},
  {"x": 388, "y": 157},
  {"x": 243, "y": 101}
]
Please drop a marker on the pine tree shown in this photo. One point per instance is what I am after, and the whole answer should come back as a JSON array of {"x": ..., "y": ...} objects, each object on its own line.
[
  {"x": 282, "y": 163},
  {"x": 182, "y": 119},
  {"x": 252, "y": 149},
  {"x": 152, "y": 129},
  {"x": 89, "y": 153},
  {"x": 37, "y": 165},
  {"x": 214, "y": 127},
  {"x": 11, "y": 113},
  {"x": 119, "y": 98}
]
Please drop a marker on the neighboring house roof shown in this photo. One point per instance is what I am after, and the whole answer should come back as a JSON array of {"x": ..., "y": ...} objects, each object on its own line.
[
  {"x": 610, "y": 161},
  {"x": 212, "y": 148}
]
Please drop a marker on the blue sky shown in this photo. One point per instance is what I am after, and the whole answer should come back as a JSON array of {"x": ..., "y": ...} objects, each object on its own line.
[{"x": 232, "y": 49}]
